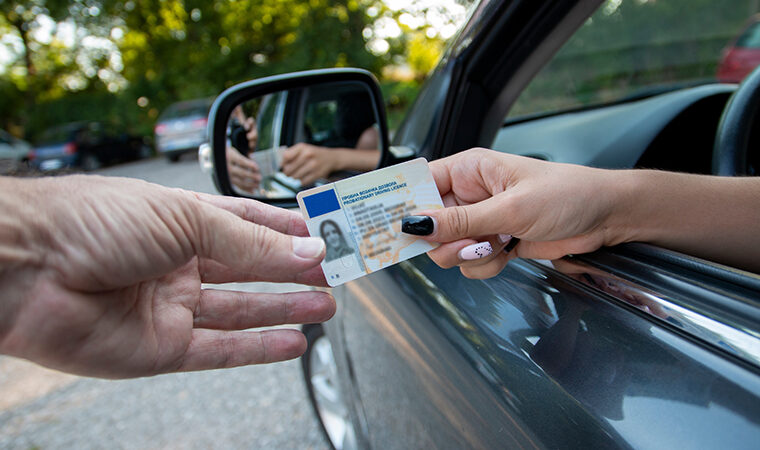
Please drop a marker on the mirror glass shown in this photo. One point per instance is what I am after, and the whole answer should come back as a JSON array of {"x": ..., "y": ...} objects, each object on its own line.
[{"x": 286, "y": 141}]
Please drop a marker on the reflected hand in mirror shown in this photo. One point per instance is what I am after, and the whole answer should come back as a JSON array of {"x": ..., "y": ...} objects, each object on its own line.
[
  {"x": 285, "y": 141},
  {"x": 243, "y": 136},
  {"x": 244, "y": 172},
  {"x": 310, "y": 163}
]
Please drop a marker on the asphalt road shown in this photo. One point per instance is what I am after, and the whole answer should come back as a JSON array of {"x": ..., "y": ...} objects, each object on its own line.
[{"x": 247, "y": 407}]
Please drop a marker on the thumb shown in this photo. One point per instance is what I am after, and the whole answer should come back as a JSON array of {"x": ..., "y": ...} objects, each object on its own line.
[
  {"x": 458, "y": 222},
  {"x": 252, "y": 248}
]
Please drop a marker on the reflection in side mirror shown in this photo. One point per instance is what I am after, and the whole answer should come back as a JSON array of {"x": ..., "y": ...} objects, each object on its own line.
[{"x": 279, "y": 142}]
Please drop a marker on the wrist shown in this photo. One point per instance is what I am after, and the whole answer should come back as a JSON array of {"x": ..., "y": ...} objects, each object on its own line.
[
  {"x": 337, "y": 159},
  {"x": 625, "y": 189}
]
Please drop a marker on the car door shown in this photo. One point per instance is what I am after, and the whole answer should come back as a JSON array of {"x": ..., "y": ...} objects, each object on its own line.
[{"x": 634, "y": 346}]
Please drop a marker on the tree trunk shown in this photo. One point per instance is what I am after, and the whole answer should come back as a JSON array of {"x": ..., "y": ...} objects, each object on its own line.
[{"x": 30, "y": 69}]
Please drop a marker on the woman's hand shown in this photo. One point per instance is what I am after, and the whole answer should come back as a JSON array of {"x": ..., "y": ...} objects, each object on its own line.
[
  {"x": 103, "y": 277},
  {"x": 244, "y": 172},
  {"x": 490, "y": 197},
  {"x": 559, "y": 209},
  {"x": 309, "y": 163}
]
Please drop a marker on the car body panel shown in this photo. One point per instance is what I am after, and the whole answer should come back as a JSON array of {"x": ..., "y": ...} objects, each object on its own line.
[
  {"x": 533, "y": 358},
  {"x": 737, "y": 63}
]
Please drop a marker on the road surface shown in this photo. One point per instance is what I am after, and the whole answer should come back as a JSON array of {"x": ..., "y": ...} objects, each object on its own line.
[{"x": 248, "y": 407}]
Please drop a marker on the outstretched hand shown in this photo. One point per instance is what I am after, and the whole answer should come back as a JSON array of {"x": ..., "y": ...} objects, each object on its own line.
[
  {"x": 492, "y": 196},
  {"x": 102, "y": 277},
  {"x": 309, "y": 163}
]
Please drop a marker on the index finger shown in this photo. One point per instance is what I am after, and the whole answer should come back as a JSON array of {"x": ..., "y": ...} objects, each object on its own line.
[
  {"x": 278, "y": 219},
  {"x": 288, "y": 154}
]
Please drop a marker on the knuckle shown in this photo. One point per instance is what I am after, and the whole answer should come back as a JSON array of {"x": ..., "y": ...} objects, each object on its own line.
[
  {"x": 226, "y": 351},
  {"x": 242, "y": 304},
  {"x": 265, "y": 244},
  {"x": 459, "y": 222},
  {"x": 475, "y": 152}
]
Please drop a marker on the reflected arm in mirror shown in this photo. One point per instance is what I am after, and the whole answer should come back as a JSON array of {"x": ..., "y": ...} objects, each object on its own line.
[
  {"x": 309, "y": 163},
  {"x": 244, "y": 172}
]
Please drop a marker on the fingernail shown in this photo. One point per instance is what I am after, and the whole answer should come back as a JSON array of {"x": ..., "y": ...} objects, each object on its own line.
[
  {"x": 417, "y": 225},
  {"x": 504, "y": 238},
  {"x": 475, "y": 251},
  {"x": 308, "y": 247},
  {"x": 511, "y": 245}
]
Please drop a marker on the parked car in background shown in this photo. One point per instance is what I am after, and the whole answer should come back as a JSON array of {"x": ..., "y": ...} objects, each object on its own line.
[
  {"x": 741, "y": 56},
  {"x": 14, "y": 152},
  {"x": 182, "y": 128},
  {"x": 86, "y": 145},
  {"x": 633, "y": 346}
]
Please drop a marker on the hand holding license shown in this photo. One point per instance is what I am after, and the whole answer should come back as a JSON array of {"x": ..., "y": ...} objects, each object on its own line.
[{"x": 360, "y": 218}]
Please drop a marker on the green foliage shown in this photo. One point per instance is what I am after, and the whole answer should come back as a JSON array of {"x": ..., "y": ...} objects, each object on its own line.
[
  {"x": 170, "y": 50},
  {"x": 398, "y": 96}
]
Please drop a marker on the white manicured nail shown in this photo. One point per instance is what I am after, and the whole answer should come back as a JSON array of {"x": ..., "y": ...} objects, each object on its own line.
[
  {"x": 475, "y": 251},
  {"x": 308, "y": 247}
]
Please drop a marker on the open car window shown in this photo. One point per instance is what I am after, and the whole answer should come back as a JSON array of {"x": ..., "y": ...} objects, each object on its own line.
[{"x": 637, "y": 48}]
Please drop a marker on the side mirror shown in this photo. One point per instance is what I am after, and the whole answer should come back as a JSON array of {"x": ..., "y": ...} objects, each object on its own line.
[{"x": 275, "y": 136}]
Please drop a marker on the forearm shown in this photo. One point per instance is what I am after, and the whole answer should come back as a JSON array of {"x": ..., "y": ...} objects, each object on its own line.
[
  {"x": 355, "y": 159},
  {"x": 716, "y": 218}
]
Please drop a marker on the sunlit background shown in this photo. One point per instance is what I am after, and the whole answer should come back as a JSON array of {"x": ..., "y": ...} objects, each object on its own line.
[{"x": 124, "y": 62}]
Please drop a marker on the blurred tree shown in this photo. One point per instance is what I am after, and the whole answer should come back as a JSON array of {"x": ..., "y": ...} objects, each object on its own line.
[
  {"x": 128, "y": 60},
  {"x": 22, "y": 17},
  {"x": 48, "y": 56}
]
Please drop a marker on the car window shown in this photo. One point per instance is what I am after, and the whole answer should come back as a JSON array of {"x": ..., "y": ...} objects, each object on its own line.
[
  {"x": 634, "y": 48},
  {"x": 750, "y": 38},
  {"x": 186, "y": 110},
  {"x": 320, "y": 119},
  {"x": 57, "y": 135}
]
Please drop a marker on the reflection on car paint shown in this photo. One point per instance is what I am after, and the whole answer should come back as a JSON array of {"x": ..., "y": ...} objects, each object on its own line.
[
  {"x": 533, "y": 333},
  {"x": 742, "y": 343}
]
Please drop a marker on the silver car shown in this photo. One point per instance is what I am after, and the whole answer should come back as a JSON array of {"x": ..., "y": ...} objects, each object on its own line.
[
  {"x": 182, "y": 128},
  {"x": 13, "y": 152}
]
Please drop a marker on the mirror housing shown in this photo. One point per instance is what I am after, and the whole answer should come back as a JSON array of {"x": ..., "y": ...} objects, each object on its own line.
[{"x": 228, "y": 100}]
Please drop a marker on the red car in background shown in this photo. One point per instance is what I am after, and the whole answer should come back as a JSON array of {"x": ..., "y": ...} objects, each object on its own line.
[{"x": 741, "y": 56}]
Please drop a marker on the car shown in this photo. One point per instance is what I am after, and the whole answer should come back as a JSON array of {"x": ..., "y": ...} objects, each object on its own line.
[
  {"x": 14, "y": 152},
  {"x": 743, "y": 54},
  {"x": 13, "y": 148},
  {"x": 86, "y": 145},
  {"x": 181, "y": 128},
  {"x": 633, "y": 346}
]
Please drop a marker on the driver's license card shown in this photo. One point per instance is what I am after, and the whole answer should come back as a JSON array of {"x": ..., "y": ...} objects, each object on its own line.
[
  {"x": 269, "y": 161},
  {"x": 360, "y": 218}
]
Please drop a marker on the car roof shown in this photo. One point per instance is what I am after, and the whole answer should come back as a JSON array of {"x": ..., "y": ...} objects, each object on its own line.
[{"x": 187, "y": 105}]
